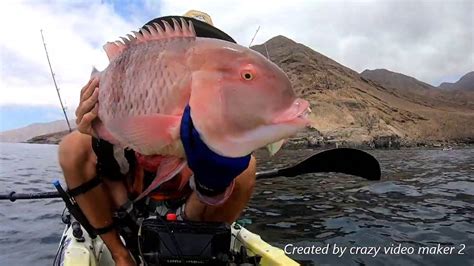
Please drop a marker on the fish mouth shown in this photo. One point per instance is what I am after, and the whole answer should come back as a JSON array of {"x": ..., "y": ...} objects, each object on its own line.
[
  {"x": 297, "y": 114},
  {"x": 296, "y": 117}
]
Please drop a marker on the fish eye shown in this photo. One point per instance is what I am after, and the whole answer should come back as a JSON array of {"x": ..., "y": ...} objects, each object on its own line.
[{"x": 247, "y": 75}]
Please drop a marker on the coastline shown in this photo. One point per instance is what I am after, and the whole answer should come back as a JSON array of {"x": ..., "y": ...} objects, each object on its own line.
[{"x": 314, "y": 140}]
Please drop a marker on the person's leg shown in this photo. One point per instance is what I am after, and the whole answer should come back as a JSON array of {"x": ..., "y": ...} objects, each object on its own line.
[
  {"x": 78, "y": 163},
  {"x": 117, "y": 191},
  {"x": 230, "y": 210}
]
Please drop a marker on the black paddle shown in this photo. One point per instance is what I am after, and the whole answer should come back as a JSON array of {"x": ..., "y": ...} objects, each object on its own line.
[
  {"x": 343, "y": 160},
  {"x": 12, "y": 196}
]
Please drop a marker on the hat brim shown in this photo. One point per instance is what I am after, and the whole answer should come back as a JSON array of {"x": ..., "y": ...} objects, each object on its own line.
[{"x": 202, "y": 28}]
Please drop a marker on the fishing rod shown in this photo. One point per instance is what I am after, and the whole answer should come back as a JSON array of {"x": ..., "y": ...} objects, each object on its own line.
[
  {"x": 55, "y": 83},
  {"x": 253, "y": 38},
  {"x": 342, "y": 160},
  {"x": 264, "y": 44}
]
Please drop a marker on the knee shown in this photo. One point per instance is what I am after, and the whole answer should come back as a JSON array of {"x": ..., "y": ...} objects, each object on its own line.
[{"x": 75, "y": 151}]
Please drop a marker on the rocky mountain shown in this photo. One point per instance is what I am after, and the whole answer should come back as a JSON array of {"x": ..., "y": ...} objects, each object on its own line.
[
  {"x": 465, "y": 83},
  {"x": 25, "y": 133},
  {"x": 395, "y": 80},
  {"x": 349, "y": 107},
  {"x": 416, "y": 90}
]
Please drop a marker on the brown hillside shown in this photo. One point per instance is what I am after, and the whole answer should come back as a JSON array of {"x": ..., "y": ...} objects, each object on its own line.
[{"x": 30, "y": 131}]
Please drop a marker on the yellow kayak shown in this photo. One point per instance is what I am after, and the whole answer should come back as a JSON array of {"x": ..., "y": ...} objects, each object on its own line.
[{"x": 84, "y": 250}]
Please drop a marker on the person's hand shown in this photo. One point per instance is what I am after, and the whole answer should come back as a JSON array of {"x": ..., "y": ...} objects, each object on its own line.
[
  {"x": 87, "y": 110},
  {"x": 213, "y": 173}
]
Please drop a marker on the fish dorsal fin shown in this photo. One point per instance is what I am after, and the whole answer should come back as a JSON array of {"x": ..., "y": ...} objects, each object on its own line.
[{"x": 154, "y": 32}]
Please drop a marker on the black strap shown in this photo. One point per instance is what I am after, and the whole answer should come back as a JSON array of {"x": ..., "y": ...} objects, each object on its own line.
[
  {"x": 208, "y": 191},
  {"x": 107, "y": 167},
  {"x": 83, "y": 188}
]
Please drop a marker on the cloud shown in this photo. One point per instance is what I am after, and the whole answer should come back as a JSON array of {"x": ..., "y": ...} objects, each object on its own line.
[
  {"x": 74, "y": 36},
  {"x": 431, "y": 40},
  {"x": 428, "y": 40}
]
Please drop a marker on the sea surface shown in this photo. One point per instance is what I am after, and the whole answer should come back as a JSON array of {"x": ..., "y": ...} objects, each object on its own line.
[{"x": 425, "y": 199}]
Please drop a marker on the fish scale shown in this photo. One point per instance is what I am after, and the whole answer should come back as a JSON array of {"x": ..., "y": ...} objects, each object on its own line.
[{"x": 131, "y": 101}]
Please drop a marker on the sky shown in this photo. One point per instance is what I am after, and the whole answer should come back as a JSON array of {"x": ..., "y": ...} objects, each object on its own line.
[{"x": 431, "y": 40}]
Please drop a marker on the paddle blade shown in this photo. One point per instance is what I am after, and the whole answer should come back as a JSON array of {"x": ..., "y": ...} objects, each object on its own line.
[{"x": 343, "y": 160}]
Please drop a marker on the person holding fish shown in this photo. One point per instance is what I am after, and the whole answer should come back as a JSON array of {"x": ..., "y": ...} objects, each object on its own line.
[{"x": 175, "y": 117}]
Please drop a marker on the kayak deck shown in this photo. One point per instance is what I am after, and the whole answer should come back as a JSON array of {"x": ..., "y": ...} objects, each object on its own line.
[
  {"x": 269, "y": 254},
  {"x": 75, "y": 251}
]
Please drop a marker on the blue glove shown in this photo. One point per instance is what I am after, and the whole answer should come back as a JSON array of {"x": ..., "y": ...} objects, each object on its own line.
[{"x": 213, "y": 173}]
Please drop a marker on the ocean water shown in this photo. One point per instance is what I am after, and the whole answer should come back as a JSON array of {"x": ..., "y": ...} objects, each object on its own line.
[
  {"x": 29, "y": 230},
  {"x": 424, "y": 200}
]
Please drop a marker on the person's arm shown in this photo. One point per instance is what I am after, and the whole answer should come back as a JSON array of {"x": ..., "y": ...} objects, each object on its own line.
[
  {"x": 78, "y": 162},
  {"x": 214, "y": 175}
]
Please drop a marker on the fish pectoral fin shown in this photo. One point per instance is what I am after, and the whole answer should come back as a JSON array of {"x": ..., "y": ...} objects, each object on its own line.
[
  {"x": 274, "y": 147},
  {"x": 169, "y": 168},
  {"x": 146, "y": 134}
]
